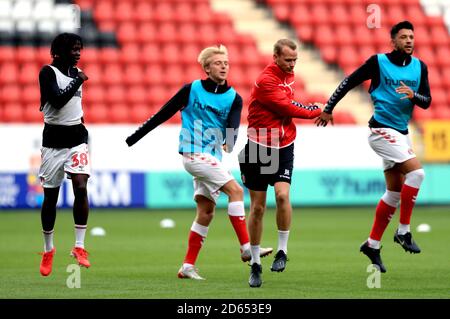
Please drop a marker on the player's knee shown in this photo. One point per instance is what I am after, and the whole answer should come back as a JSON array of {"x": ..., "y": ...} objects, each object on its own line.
[
  {"x": 391, "y": 198},
  {"x": 282, "y": 198},
  {"x": 80, "y": 191},
  {"x": 415, "y": 178},
  {"x": 258, "y": 210}
]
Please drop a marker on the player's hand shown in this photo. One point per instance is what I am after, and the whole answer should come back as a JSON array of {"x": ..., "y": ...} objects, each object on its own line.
[
  {"x": 404, "y": 89},
  {"x": 323, "y": 119},
  {"x": 130, "y": 140},
  {"x": 82, "y": 76},
  {"x": 225, "y": 148}
]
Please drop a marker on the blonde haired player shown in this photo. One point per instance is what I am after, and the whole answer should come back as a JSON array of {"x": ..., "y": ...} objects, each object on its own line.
[
  {"x": 64, "y": 144},
  {"x": 211, "y": 112}
]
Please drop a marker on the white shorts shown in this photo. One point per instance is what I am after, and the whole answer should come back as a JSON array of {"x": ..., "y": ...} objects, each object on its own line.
[
  {"x": 392, "y": 146},
  {"x": 208, "y": 172},
  {"x": 57, "y": 161}
]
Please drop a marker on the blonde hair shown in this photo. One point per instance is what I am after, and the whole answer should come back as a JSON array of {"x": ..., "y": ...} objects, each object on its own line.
[
  {"x": 282, "y": 43},
  {"x": 204, "y": 58}
]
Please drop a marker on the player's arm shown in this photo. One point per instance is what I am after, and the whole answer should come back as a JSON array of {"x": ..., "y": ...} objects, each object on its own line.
[
  {"x": 176, "y": 103},
  {"x": 233, "y": 121},
  {"x": 422, "y": 97},
  {"x": 369, "y": 70},
  {"x": 275, "y": 99},
  {"x": 50, "y": 91}
]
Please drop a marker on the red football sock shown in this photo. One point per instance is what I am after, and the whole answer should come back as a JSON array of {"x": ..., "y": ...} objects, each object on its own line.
[
  {"x": 407, "y": 201},
  {"x": 195, "y": 243},
  {"x": 240, "y": 227},
  {"x": 383, "y": 215}
]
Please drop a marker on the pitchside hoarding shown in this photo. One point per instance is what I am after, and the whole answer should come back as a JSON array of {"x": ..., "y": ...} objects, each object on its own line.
[{"x": 333, "y": 166}]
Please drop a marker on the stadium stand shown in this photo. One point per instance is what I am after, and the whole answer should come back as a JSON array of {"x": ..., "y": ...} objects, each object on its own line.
[
  {"x": 138, "y": 53},
  {"x": 338, "y": 29}
]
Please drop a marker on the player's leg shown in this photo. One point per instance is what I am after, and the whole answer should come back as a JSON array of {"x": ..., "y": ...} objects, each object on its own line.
[
  {"x": 236, "y": 213},
  {"x": 386, "y": 206},
  {"x": 48, "y": 218},
  {"x": 283, "y": 218},
  {"x": 255, "y": 228},
  {"x": 413, "y": 178},
  {"x": 80, "y": 217},
  {"x": 51, "y": 175},
  {"x": 197, "y": 236},
  {"x": 383, "y": 214},
  {"x": 77, "y": 166}
]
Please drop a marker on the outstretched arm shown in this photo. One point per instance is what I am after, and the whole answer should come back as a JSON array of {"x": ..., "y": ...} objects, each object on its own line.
[
  {"x": 369, "y": 70},
  {"x": 176, "y": 103},
  {"x": 275, "y": 99}
]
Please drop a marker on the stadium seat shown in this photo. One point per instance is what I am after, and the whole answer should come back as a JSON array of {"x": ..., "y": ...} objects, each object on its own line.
[
  {"x": 31, "y": 94},
  {"x": 96, "y": 113},
  {"x": 32, "y": 114},
  {"x": 9, "y": 73},
  {"x": 139, "y": 113},
  {"x": 136, "y": 95},
  {"x": 119, "y": 113},
  {"x": 13, "y": 112}
]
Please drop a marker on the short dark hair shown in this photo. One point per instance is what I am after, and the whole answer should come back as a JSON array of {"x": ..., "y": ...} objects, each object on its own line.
[
  {"x": 63, "y": 43},
  {"x": 401, "y": 25}
]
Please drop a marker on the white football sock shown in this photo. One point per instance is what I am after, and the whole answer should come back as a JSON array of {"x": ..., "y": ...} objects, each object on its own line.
[
  {"x": 80, "y": 232},
  {"x": 255, "y": 254},
  {"x": 48, "y": 240}
]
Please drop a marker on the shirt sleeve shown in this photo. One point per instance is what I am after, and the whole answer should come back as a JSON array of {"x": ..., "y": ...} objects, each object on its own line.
[
  {"x": 50, "y": 91},
  {"x": 422, "y": 97},
  {"x": 271, "y": 96},
  {"x": 368, "y": 71},
  {"x": 233, "y": 121},
  {"x": 176, "y": 103}
]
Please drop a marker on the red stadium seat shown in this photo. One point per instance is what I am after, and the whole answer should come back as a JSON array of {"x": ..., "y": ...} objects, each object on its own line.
[
  {"x": 143, "y": 12},
  {"x": 123, "y": 11},
  {"x": 103, "y": 11},
  {"x": 43, "y": 55},
  {"x": 115, "y": 94},
  {"x": 7, "y": 54},
  {"x": 9, "y": 73},
  {"x": 10, "y": 93},
  {"x": 96, "y": 113},
  {"x": 32, "y": 114},
  {"x": 139, "y": 113},
  {"x": 13, "y": 112},
  {"x": 420, "y": 114},
  {"x": 146, "y": 33},
  {"x": 109, "y": 55},
  {"x": 133, "y": 74},
  {"x": 339, "y": 14},
  {"x": 127, "y": 32},
  {"x": 29, "y": 73},
  {"x": 119, "y": 113},
  {"x": 136, "y": 95},
  {"x": 443, "y": 56},
  {"x": 26, "y": 54},
  {"x": 31, "y": 94},
  {"x": 93, "y": 94},
  {"x": 112, "y": 74}
]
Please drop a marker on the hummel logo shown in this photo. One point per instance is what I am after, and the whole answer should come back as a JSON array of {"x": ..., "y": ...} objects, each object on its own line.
[{"x": 241, "y": 217}]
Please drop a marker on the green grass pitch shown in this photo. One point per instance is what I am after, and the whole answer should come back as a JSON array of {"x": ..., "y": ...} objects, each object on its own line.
[{"x": 138, "y": 259}]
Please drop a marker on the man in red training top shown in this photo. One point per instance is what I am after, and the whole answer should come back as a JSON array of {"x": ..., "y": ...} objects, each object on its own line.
[{"x": 268, "y": 157}]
